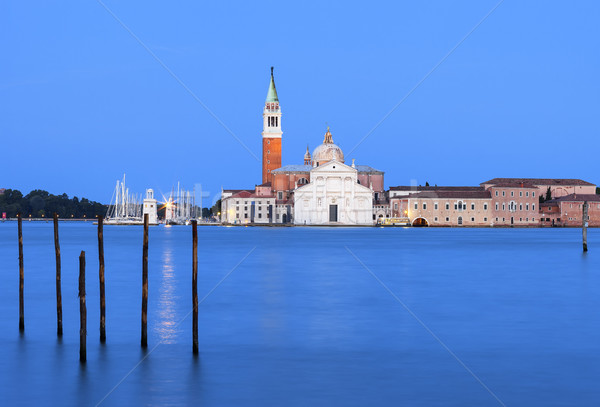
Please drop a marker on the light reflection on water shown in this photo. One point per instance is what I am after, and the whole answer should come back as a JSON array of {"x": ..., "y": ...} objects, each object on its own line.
[{"x": 165, "y": 327}]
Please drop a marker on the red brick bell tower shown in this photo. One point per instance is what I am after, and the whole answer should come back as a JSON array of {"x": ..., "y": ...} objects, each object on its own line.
[{"x": 271, "y": 134}]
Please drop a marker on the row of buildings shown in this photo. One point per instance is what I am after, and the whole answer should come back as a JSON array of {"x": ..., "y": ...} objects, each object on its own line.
[{"x": 324, "y": 190}]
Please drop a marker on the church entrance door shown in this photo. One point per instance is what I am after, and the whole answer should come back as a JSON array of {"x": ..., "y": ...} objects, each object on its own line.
[{"x": 333, "y": 213}]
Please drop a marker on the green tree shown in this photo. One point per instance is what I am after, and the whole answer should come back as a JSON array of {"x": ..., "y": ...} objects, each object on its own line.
[
  {"x": 216, "y": 208},
  {"x": 548, "y": 194}
]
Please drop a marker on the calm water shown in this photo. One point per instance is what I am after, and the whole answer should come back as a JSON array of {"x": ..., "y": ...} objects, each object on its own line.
[{"x": 301, "y": 322}]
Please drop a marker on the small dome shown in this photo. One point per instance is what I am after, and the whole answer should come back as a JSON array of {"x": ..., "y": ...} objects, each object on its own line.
[{"x": 327, "y": 151}]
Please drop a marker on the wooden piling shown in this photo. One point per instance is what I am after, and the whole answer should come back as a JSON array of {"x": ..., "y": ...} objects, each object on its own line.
[
  {"x": 82, "y": 310},
  {"x": 101, "y": 275},
  {"x": 59, "y": 324},
  {"x": 584, "y": 225},
  {"x": 195, "y": 285},
  {"x": 21, "y": 275},
  {"x": 145, "y": 285}
]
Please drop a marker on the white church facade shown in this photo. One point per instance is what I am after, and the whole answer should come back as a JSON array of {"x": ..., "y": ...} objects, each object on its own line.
[{"x": 333, "y": 197}]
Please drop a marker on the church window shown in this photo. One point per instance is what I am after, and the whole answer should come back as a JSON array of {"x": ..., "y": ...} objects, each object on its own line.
[
  {"x": 260, "y": 215},
  {"x": 276, "y": 121}
]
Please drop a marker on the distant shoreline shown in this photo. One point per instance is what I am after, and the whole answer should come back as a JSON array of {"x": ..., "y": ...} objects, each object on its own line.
[{"x": 279, "y": 225}]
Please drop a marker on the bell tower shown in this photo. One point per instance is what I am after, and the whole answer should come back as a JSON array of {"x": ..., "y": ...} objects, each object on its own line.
[{"x": 271, "y": 134}]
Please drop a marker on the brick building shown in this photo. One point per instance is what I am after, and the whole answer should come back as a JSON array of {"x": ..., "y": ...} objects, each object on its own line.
[{"x": 568, "y": 210}]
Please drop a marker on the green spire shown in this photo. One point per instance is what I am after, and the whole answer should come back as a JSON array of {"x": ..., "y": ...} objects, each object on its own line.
[{"x": 272, "y": 94}]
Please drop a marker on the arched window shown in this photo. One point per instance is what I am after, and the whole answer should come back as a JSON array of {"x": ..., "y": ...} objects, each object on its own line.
[
  {"x": 460, "y": 220},
  {"x": 302, "y": 181}
]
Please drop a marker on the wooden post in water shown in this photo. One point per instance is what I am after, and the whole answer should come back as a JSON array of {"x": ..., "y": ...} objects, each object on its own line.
[
  {"x": 21, "y": 275},
  {"x": 195, "y": 284},
  {"x": 101, "y": 275},
  {"x": 584, "y": 225},
  {"x": 59, "y": 325},
  {"x": 82, "y": 310},
  {"x": 145, "y": 285}
]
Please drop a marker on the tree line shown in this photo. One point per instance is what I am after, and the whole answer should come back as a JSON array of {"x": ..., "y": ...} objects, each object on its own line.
[{"x": 39, "y": 203}]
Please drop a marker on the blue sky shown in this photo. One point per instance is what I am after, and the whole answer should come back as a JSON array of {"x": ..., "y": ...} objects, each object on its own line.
[{"x": 83, "y": 102}]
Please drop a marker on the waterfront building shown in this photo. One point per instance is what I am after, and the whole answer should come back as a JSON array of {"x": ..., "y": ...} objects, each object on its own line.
[
  {"x": 558, "y": 186},
  {"x": 514, "y": 204},
  {"x": 241, "y": 207},
  {"x": 334, "y": 196},
  {"x": 499, "y": 205},
  {"x": 568, "y": 210}
]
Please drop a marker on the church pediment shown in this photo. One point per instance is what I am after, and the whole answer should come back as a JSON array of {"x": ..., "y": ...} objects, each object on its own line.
[{"x": 333, "y": 166}]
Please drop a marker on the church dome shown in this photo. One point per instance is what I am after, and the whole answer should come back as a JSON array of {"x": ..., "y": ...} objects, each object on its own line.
[{"x": 327, "y": 151}]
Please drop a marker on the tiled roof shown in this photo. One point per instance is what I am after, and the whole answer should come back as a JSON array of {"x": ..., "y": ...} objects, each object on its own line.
[
  {"x": 464, "y": 194},
  {"x": 538, "y": 181},
  {"x": 576, "y": 198},
  {"x": 366, "y": 168},
  {"x": 514, "y": 185},
  {"x": 266, "y": 184},
  {"x": 294, "y": 168},
  {"x": 249, "y": 194},
  {"x": 434, "y": 188}
]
